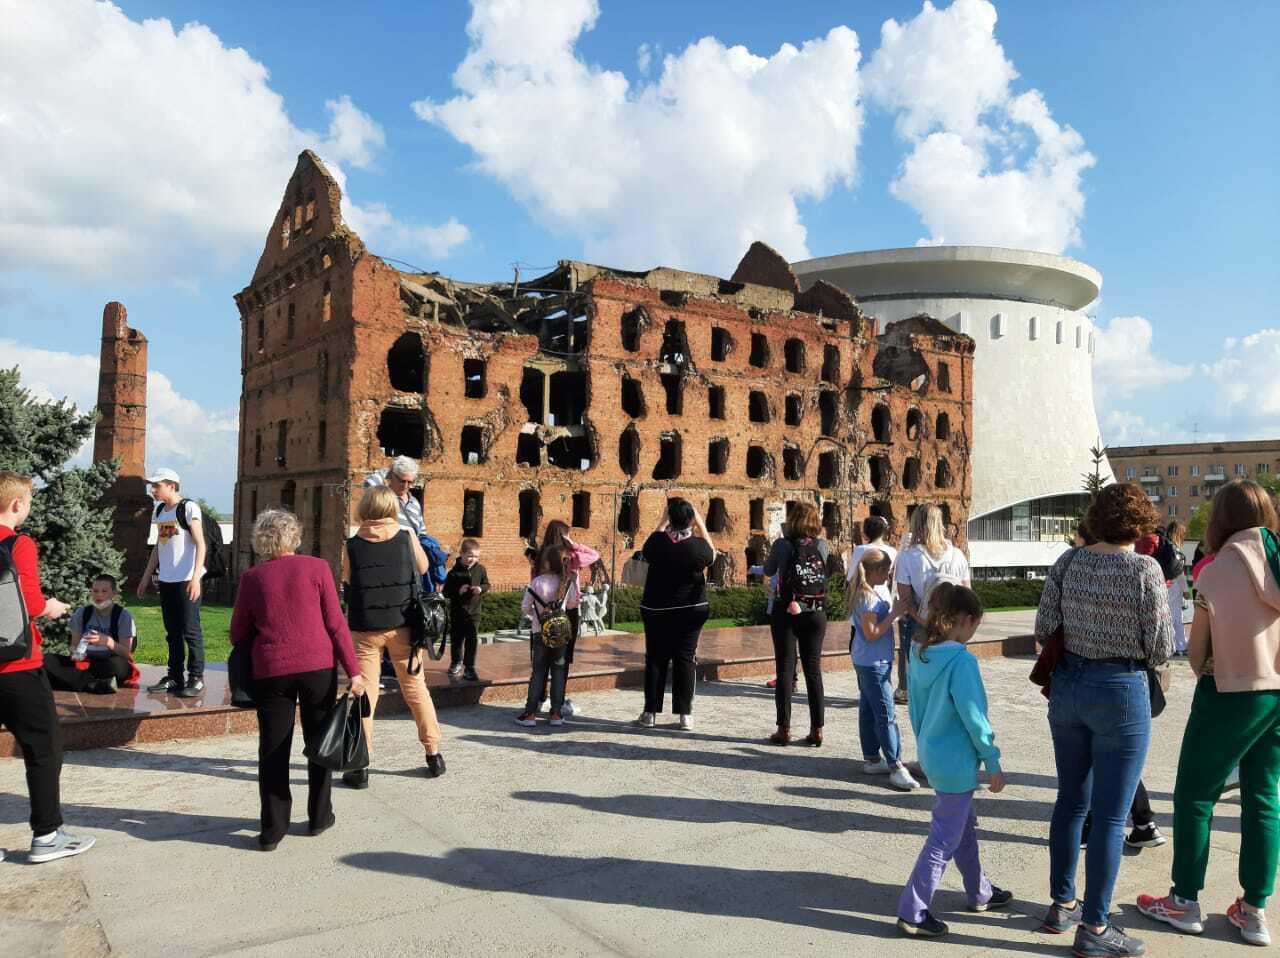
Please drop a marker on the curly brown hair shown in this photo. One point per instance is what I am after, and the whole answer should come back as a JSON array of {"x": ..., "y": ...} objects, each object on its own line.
[
  {"x": 1121, "y": 514},
  {"x": 1240, "y": 504}
]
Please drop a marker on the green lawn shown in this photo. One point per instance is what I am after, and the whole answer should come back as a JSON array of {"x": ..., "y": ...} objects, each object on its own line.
[{"x": 152, "y": 648}]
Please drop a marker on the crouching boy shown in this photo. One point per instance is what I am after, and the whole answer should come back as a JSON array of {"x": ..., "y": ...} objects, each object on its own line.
[{"x": 103, "y": 637}]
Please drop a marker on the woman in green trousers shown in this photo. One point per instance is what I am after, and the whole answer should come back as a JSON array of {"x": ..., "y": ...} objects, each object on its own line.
[{"x": 1235, "y": 715}]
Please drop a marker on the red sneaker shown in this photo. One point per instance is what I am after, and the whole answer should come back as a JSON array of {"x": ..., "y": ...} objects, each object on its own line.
[{"x": 527, "y": 719}]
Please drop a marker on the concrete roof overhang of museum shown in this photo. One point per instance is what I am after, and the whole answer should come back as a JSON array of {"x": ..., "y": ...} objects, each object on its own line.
[{"x": 970, "y": 272}]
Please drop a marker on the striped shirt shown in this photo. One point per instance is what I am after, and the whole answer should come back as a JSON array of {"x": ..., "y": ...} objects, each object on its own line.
[{"x": 410, "y": 512}]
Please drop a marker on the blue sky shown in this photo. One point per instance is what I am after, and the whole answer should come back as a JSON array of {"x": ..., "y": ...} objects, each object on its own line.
[{"x": 1175, "y": 103}]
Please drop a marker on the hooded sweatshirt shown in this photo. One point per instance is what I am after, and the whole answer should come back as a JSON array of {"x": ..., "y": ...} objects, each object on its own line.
[
  {"x": 948, "y": 707},
  {"x": 1243, "y": 599}
]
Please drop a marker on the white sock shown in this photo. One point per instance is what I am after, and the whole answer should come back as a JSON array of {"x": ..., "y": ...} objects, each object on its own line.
[{"x": 45, "y": 839}]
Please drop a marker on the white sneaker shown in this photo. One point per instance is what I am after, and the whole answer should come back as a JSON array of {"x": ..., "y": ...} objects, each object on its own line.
[
  {"x": 646, "y": 720},
  {"x": 686, "y": 723},
  {"x": 878, "y": 767},
  {"x": 568, "y": 708},
  {"x": 901, "y": 779},
  {"x": 545, "y": 706},
  {"x": 62, "y": 845}
]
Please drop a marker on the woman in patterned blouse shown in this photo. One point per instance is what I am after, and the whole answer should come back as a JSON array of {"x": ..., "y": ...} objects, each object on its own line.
[{"x": 1113, "y": 609}]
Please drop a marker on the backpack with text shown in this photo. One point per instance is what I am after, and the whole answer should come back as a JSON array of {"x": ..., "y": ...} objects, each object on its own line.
[
  {"x": 215, "y": 563},
  {"x": 15, "y": 624},
  {"x": 805, "y": 581}
]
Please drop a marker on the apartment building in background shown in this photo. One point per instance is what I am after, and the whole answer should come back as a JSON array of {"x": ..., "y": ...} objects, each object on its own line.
[{"x": 1178, "y": 477}]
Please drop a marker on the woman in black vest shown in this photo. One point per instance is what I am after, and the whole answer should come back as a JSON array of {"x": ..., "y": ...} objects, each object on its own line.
[
  {"x": 382, "y": 561},
  {"x": 674, "y": 609},
  {"x": 799, "y": 617}
]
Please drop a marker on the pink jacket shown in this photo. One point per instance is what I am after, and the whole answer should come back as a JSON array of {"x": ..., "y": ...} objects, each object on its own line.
[
  {"x": 1243, "y": 600},
  {"x": 547, "y": 587}
]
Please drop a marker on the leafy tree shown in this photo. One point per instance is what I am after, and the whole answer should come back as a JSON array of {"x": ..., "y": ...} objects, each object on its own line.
[
  {"x": 1198, "y": 523},
  {"x": 207, "y": 511},
  {"x": 68, "y": 520}
]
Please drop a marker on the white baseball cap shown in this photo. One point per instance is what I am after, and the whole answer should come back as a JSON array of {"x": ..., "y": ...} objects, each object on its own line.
[{"x": 164, "y": 475}]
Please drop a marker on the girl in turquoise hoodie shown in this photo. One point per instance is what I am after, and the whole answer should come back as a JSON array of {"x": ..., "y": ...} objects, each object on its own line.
[{"x": 948, "y": 710}]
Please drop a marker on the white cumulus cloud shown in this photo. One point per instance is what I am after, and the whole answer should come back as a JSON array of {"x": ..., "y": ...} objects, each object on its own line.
[
  {"x": 987, "y": 166},
  {"x": 1245, "y": 375},
  {"x": 686, "y": 169},
  {"x": 1124, "y": 364},
  {"x": 139, "y": 150}
]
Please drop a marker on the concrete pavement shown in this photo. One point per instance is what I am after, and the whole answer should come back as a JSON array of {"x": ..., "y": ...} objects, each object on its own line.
[{"x": 596, "y": 839}]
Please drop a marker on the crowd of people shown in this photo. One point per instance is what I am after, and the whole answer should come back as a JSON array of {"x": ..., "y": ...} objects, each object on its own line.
[{"x": 1108, "y": 608}]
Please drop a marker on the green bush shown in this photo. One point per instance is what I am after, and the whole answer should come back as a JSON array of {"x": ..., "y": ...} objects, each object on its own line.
[{"x": 1008, "y": 593}]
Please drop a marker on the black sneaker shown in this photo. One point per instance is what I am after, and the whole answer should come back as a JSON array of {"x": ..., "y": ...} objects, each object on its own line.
[
  {"x": 193, "y": 689},
  {"x": 1144, "y": 836},
  {"x": 356, "y": 779},
  {"x": 1111, "y": 942},
  {"x": 1060, "y": 919},
  {"x": 470, "y": 675},
  {"x": 324, "y": 826},
  {"x": 999, "y": 898},
  {"x": 455, "y": 670},
  {"x": 927, "y": 927},
  {"x": 167, "y": 684},
  {"x": 100, "y": 687}
]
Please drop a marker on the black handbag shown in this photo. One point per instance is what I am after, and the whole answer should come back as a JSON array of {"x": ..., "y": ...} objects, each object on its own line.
[
  {"x": 341, "y": 745},
  {"x": 427, "y": 617},
  {"x": 240, "y": 676}
]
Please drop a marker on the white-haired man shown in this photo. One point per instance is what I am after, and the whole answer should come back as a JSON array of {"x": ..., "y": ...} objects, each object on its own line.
[{"x": 399, "y": 478}]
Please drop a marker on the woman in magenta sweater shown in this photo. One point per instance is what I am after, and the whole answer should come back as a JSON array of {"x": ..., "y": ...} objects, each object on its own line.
[{"x": 287, "y": 607}]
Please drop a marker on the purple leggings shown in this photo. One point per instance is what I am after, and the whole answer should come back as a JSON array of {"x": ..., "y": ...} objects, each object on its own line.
[{"x": 952, "y": 834}]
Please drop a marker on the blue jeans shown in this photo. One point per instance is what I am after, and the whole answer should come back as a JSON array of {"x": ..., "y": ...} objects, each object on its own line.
[
  {"x": 877, "y": 725},
  {"x": 1100, "y": 717}
]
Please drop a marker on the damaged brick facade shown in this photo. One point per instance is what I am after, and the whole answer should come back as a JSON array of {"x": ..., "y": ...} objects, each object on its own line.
[{"x": 589, "y": 395}]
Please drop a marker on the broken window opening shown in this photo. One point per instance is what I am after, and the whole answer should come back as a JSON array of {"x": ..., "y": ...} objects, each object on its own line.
[
  {"x": 792, "y": 469},
  {"x": 629, "y": 451},
  {"x": 674, "y": 297},
  {"x": 472, "y": 445},
  {"x": 311, "y": 205},
  {"x": 942, "y": 430},
  {"x": 915, "y": 422},
  {"x": 473, "y": 513},
  {"x": 291, "y": 325},
  {"x": 528, "y": 450},
  {"x": 322, "y": 440},
  {"x": 793, "y": 352},
  {"x": 794, "y": 410},
  {"x": 944, "y": 378},
  {"x": 407, "y": 364},
  {"x": 718, "y": 457},
  {"x": 262, "y": 332},
  {"x": 828, "y": 411},
  {"x": 582, "y": 510},
  {"x": 322, "y": 371},
  {"x": 674, "y": 385},
  {"x": 830, "y": 364},
  {"x": 759, "y": 462},
  {"x": 828, "y": 470},
  {"x": 629, "y": 513},
  {"x": 326, "y": 304},
  {"x": 759, "y": 350},
  {"x": 717, "y": 516},
  {"x": 946, "y": 514},
  {"x": 911, "y": 473},
  {"x": 675, "y": 344},
  {"x": 473, "y": 377},
  {"x": 257, "y": 449},
  {"x": 253, "y": 504},
  {"x": 632, "y": 397},
  {"x": 721, "y": 343},
  {"x": 288, "y": 495},
  {"x": 530, "y": 513},
  {"x": 756, "y": 508},
  {"x": 881, "y": 423},
  {"x": 880, "y": 473},
  {"x": 757, "y": 407},
  {"x": 402, "y": 432},
  {"x": 563, "y": 332},
  {"x": 903, "y": 367},
  {"x": 568, "y": 398},
  {"x": 715, "y": 402},
  {"x": 532, "y": 383},
  {"x": 570, "y": 452},
  {"x": 831, "y": 520},
  {"x": 669, "y": 457},
  {"x": 942, "y": 474},
  {"x": 633, "y": 324},
  {"x": 282, "y": 442},
  {"x": 884, "y": 511}
]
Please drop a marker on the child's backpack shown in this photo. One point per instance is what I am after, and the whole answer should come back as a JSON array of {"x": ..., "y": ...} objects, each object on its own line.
[
  {"x": 556, "y": 629},
  {"x": 806, "y": 576},
  {"x": 215, "y": 563},
  {"x": 15, "y": 624}
]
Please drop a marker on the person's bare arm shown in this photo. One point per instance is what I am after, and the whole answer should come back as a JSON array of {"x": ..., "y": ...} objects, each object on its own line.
[
  {"x": 150, "y": 570},
  {"x": 1198, "y": 648}
]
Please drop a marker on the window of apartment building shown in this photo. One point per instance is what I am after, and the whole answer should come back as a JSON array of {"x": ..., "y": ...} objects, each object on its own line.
[
  {"x": 1172, "y": 491},
  {"x": 1241, "y": 469},
  {"x": 1131, "y": 473},
  {"x": 1193, "y": 491},
  {"x": 1195, "y": 471},
  {"x": 1173, "y": 470},
  {"x": 1173, "y": 510},
  {"x": 1264, "y": 468}
]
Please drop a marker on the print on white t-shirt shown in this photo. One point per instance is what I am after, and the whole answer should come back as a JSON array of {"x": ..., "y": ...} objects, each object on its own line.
[{"x": 177, "y": 548}]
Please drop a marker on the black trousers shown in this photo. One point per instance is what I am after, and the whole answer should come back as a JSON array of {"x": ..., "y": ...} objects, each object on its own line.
[
  {"x": 182, "y": 630},
  {"x": 26, "y": 710},
  {"x": 806, "y": 630},
  {"x": 462, "y": 639},
  {"x": 278, "y": 698},
  {"x": 1141, "y": 811},
  {"x": 671, "y": 645},
  {"x": 64, "y": 675}
]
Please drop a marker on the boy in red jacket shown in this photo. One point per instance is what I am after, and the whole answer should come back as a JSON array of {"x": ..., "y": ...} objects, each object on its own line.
[{"x": 26, "y": 700}]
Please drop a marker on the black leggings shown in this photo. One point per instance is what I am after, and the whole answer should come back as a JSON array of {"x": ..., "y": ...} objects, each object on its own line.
[
  {"x": 808, "y": 629},
  {"x": 279, "y": 699}
]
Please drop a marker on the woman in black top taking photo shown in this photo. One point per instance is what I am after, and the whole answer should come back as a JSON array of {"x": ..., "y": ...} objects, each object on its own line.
[
  {"x": 799, "y": 560},
  {"x": 674, "y": 609}
]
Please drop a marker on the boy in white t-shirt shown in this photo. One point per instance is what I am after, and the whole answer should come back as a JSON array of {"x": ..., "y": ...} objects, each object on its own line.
[{"x": 177, "y": 562}]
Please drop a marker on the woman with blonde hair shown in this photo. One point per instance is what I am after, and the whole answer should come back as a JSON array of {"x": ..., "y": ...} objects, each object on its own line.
[
  {"x": 287, "y": 608},
  {"x": 382, "y": 562},
  {"x": 928, "y": 559}
]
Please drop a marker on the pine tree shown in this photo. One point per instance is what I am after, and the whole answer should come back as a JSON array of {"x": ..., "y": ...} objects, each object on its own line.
[
  {"x": 1093, "y": 481},
  {"x": 68, "y": 519}
]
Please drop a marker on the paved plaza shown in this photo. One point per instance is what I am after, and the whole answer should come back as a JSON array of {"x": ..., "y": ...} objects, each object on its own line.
[{"x": 596, "y": 839}]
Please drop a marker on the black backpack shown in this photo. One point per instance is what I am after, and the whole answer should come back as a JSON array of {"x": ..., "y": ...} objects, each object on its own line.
[
  {"x": 15, "y": 624},
  {"x": 1169, "y": 556},
  {"x": 215, "y": 564},
  {"x": 116, "y": 612},
  {"x": 805, "y": 581}
]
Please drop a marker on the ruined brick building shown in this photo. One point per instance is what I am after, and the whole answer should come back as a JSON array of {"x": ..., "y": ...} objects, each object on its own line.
[
  {"x": 121, "y": 434},
  {"x": 587, "y": 394}
]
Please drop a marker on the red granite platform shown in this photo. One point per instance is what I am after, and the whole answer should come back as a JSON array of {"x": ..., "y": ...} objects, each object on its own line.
[{"x": 601, "y": 662}]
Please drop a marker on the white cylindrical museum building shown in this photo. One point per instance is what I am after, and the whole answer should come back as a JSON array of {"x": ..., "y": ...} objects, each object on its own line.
[{"x": 1033, "y": 415}]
